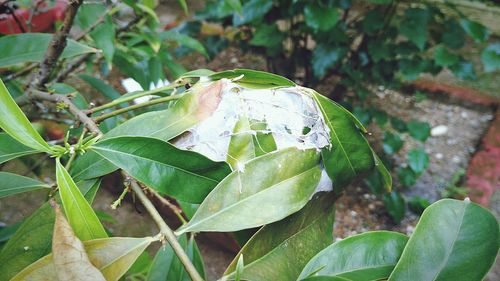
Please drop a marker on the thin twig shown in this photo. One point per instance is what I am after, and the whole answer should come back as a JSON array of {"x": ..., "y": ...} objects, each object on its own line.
[
  {"x": 72, "y": 67},
  {"x": 166, "y": 232},
  {"x": 136, "y": 106},
  {"x": 56, "y": 47},
  {"x": 177, "y": 211},
  {"x": 66, "y": 101}
]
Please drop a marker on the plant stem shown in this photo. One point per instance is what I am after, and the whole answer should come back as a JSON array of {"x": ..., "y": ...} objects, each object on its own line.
[
  {"x": 131, "y": 97},
  {"x": 177, "y": 211},
  {"x": 136, "y": 106},
  {"x": 166, "y": 231}
]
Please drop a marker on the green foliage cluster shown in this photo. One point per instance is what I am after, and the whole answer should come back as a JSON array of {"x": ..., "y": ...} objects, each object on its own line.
[
  {"x": 360, "y": 44},
  {"x": 276, "y": 191}
]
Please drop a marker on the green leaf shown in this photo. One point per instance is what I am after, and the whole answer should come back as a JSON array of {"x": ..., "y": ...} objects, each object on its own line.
[
  {"x": 167, "y": 266},
  {"x": 280, "y": 250},
  {"x": 453, "y": 35},
  {"x": 187, "y": 111},
  {"x": 35, "y": 234},
  {"x": 197, "y": 73},
  {"x": 268, "y": 35},
  {"x": 454, "y": 240},
  {"x": 407, "y": 177},
  {"x": 184, "y": 6},
  {"x": 445, "y": 58},
  {"x": 475, "y": 30},
  {"x": 395, "y": 205},
  {"x": 325, "y": 57},
  {"x": 14, "y": 122},
  {"x": 245, "y": 144},
  {"x": 80, "y": 215},
  {"x": 11, "y": 184},
  {"x": 291, "y": 178},
  {"x": 235, "y": 5},
  {"x": 383, "y": 173},
  {"x": 350, "y": 154},
  {"x": 364, "y": 257},
  {"x": 418, "y": 160},
  {"x": 491, "y": 57},
  {"x": 252, "y": 10},
  {"x": 91, "y": 165},
  {"x": 104, "y": 37},
  {"x": 419, "y": 130},
  {"x": 392, "y": 143},
  {"x": 31, "y": 47},
  {"x": 65, "y": 89},
  {"x": 112, "y": 256},
  {"x": 182, "y": 174},
  {"x": 11, "y": 149},
  {"x": 320, "y": 17},
  {"x": 464, "y": 70},
  {"x": 101, "y": 86},
  {"x": 414, "y": 26},
  {"x": 253, "y": 78},
  {"x": 184, "y": 40}
]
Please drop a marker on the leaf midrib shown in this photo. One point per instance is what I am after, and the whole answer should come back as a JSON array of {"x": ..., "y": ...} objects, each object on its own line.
[{"x": 150, "y": 160}]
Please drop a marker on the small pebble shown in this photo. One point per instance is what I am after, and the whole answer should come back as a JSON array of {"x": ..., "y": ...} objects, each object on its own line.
[
  {"x": 439, "y": 156},
  {"x": 439, "y": 130},
  {"x": 456, "y": 159},
  {"x": 234, "y": 60},
  {"x": 451, "y": 141},
  {"x": 464, "y": 114}
]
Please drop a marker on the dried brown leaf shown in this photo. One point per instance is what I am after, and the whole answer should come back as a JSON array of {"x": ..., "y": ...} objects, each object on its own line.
[{"x": 70, "y": 259}]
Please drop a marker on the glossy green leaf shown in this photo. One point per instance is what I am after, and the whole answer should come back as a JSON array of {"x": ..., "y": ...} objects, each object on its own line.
[
  {"x": 280, "y": 250},
  {"x": 326, "y": 278},
  {"x": 350, "y": 154},
  {"x": 185, "y": 113},
  {"x": 91, "y": 165},
  {"x": 11, "y": 184},
  {"x": 414, "y": 26},
  {"x": 491, "y": 57},
  {"x": 166, "y": 265},
  {"x": 11, "y": 149},
  {"x": 235, "y": 5},
  {"x": 35, "y": 234},
  {"x": 364, "y": 257},
  {"x": 253, "y": 78},
  {"x": 112, "y": 256},
  {"x": 14, "y": 122},
  {"x": 320, "y": 17},
  {"x": 31, "y": 47},
  {"x": 475, "y": 30},
  {"x": 292, "y": 176},
  {"x": 418, "y": 160},
  {"x": 80, "y": 215},
  {"x": 464, "y": 70},
  {"x": 454, "y": 240},
  {"x": 182, "y": 174}
]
